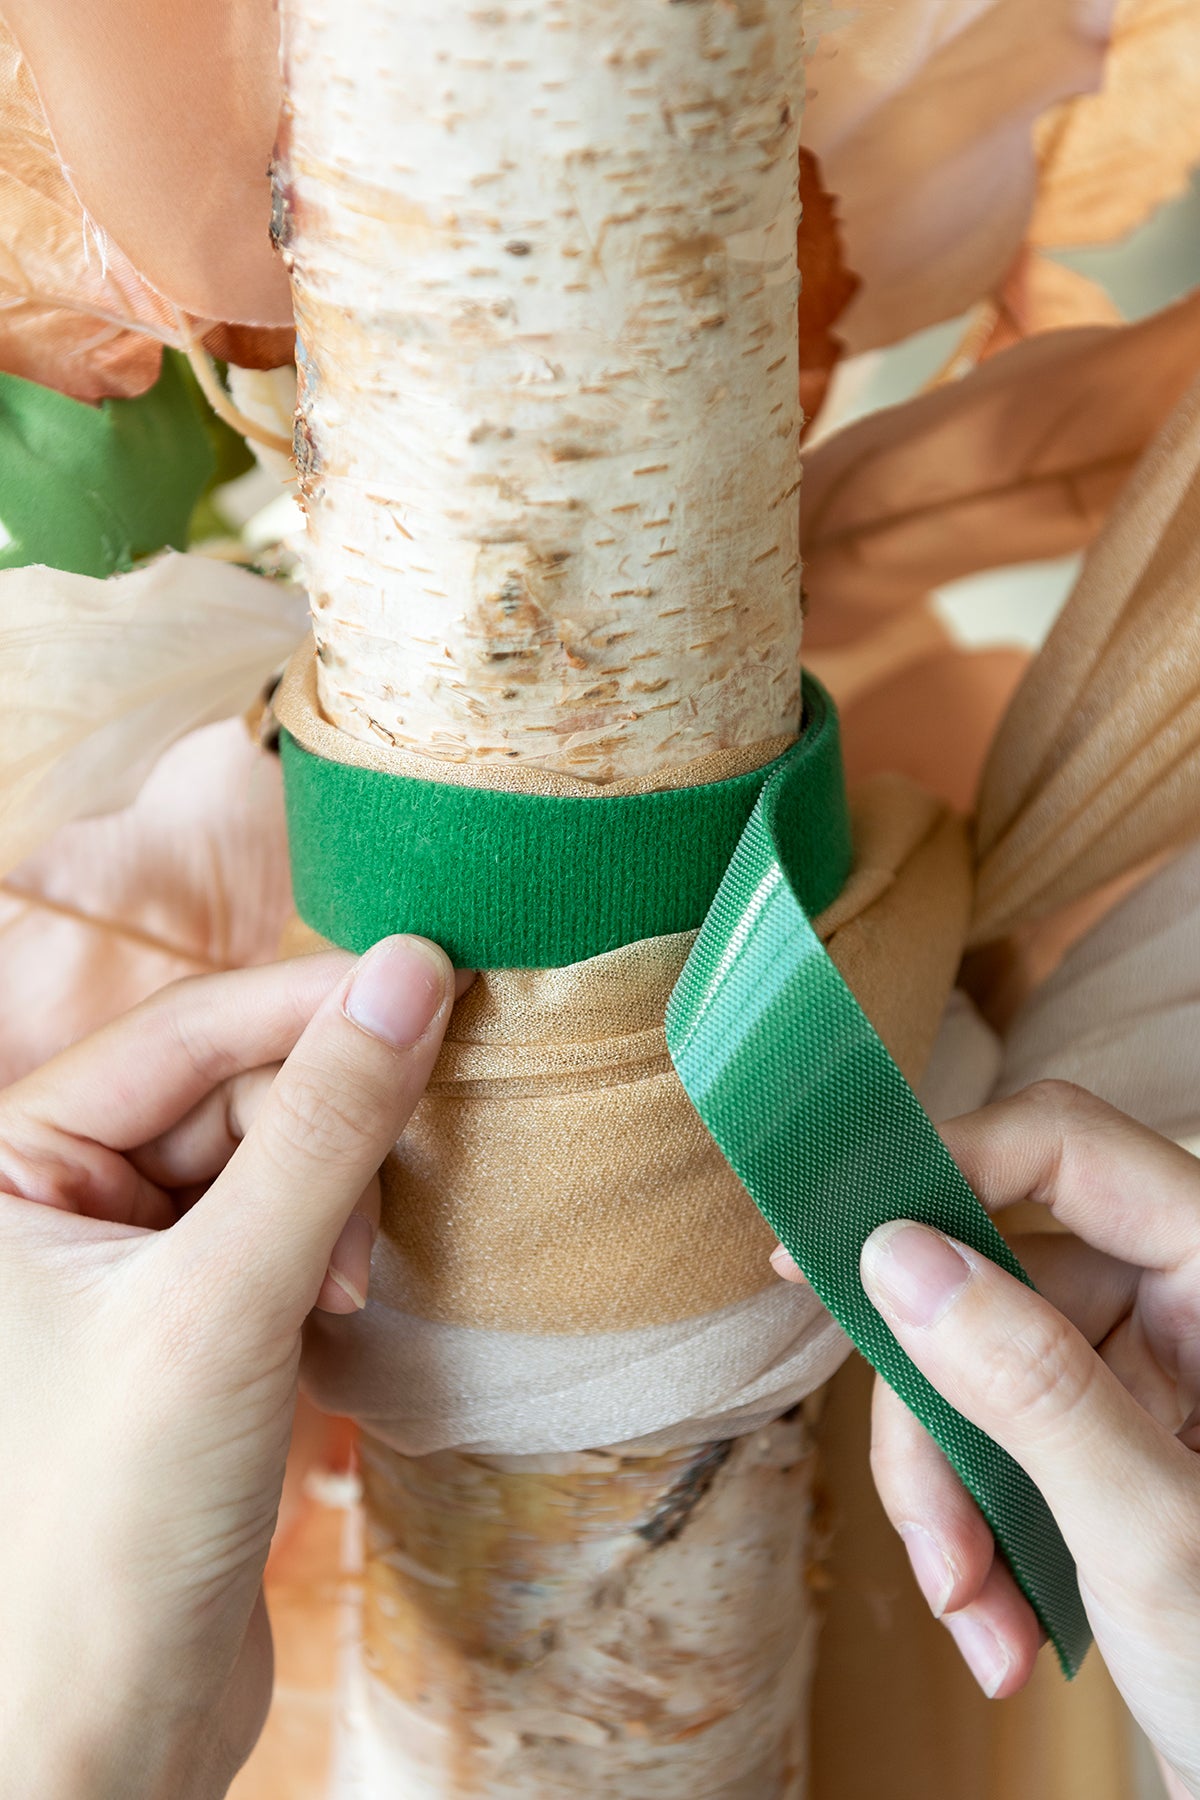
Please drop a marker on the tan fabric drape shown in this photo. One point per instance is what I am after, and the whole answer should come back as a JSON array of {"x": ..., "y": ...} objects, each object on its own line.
[{"x": 1096, "y": 767}]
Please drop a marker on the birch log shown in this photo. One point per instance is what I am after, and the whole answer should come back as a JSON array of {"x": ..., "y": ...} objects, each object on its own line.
[
  {"x": 543, "y": 263},
  {"x": 590, "y": 1627}
]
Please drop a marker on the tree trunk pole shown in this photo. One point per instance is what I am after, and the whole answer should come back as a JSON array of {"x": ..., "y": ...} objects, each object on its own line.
[
  {"x": 544, "y": 264},
  {"x": 543, "y": 257},
  {"x": 590, "y": 1627}
]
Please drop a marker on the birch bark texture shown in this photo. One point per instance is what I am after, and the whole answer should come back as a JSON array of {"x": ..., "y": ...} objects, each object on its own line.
[
  {"x": 543, "y": 257},
  {"x": 589, "y": 1627},
  {"x": 543, "y": 260}
]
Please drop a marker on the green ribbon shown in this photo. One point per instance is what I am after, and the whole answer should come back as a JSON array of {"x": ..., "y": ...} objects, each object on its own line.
[
  {"x": 829, "y": 1140},
  {"x": 772, "y": 1048},
  {"x": 507, "y": 880}
]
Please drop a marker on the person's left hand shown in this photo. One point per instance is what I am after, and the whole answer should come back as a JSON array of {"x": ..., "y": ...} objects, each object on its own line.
[{"x": 173, "y": 1204}]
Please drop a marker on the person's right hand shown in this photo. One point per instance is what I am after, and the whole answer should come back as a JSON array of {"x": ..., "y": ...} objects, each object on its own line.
[{"x": 1109, "y": 1434}]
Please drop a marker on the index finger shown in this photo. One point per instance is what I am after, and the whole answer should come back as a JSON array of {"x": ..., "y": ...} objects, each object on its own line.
[
  {"x": 133, "y": 1079},
  {"x": 1114, "y": 1182},
  {"x": 269, "y": 1223}
]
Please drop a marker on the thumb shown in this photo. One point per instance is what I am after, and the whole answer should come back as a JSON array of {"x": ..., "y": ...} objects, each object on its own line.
[
  {"x": 334, "y": 1111},
  {"x": 1019, "y": 1370}
]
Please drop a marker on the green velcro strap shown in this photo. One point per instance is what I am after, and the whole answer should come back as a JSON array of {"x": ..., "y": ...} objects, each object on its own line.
[
  {"x": 509, "y": 880},
  {"x": 775, "y": 1053},
  {"x": 830, "y": 1141}
]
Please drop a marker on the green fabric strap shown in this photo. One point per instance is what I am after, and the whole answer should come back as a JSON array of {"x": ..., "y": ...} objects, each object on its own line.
[
  {"x": 775, "y": 1053},
  {"x": 507, "y": 880},
  {"x": 830, "y": 1141}
]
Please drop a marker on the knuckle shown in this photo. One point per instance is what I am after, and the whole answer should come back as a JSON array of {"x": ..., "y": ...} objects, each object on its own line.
[
  {"x": 1036, "y": 1374},
  {"x": 1077, "y": 1127},
  {"x": 323, "y": 1113},
  {"x": 898, "y": 1442},
  {"x": 1061, "y": 1100},
  {"x": 191, "y": 1022},
  {"x": 182, "y": 991}
]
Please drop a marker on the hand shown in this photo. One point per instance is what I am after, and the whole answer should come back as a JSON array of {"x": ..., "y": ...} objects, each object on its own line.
[
  {"x": 1110, "y": 1438},
  {"x": 172, "y": 1206}
]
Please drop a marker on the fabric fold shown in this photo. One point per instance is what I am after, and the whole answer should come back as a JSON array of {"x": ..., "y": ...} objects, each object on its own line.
[{"x": 1096, "y": 766}]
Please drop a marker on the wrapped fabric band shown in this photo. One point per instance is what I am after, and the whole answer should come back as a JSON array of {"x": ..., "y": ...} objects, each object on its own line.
[
  {"x": 510, "y": 880},
  {"x": 780, "y": 1062}
]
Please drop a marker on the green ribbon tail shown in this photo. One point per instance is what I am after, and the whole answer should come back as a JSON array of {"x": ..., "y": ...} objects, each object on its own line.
[{"x": 825, "y": 1133}]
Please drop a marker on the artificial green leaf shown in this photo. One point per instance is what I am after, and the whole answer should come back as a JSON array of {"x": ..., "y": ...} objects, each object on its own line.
[{"x": 93, "y": 489}]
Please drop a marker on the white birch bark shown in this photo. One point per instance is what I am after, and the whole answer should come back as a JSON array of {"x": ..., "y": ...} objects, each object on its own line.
[
  {"x": 543, "y": 259},
  {"x": 544, "y": 264},
  {"x": 590, "y": 1627}
]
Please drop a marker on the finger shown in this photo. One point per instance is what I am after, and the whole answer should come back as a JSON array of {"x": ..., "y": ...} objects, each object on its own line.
[
  {"x": 344, "y": 1289},
  {"x": 273, "y": 1217},
  {"x": 1092, "y": 1289},
  {"x": 951, "y": 1549},
  {"x": 1009, "y": 1362},
  {"x": 948, "y": 1541},
  {"x": 198, "y": 1147},
  {"x": 785, "y": 1267},
  {"x": 138, "y": 1076},
  {"x": 81, "y": 1178},
  {"x": 1114, "y": 1182},
  {"x": 998, "y": 1635}
]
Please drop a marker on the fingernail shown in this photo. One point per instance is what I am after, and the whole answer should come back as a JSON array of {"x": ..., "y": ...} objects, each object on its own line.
[
  {"x": 912, "y": 1272},
  {"x": 350, "y": 1260},
  {"x": 397, "y": 989},
  {"x": 981, "y": 1650},
  {"x": 935, "y": 1577}
]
